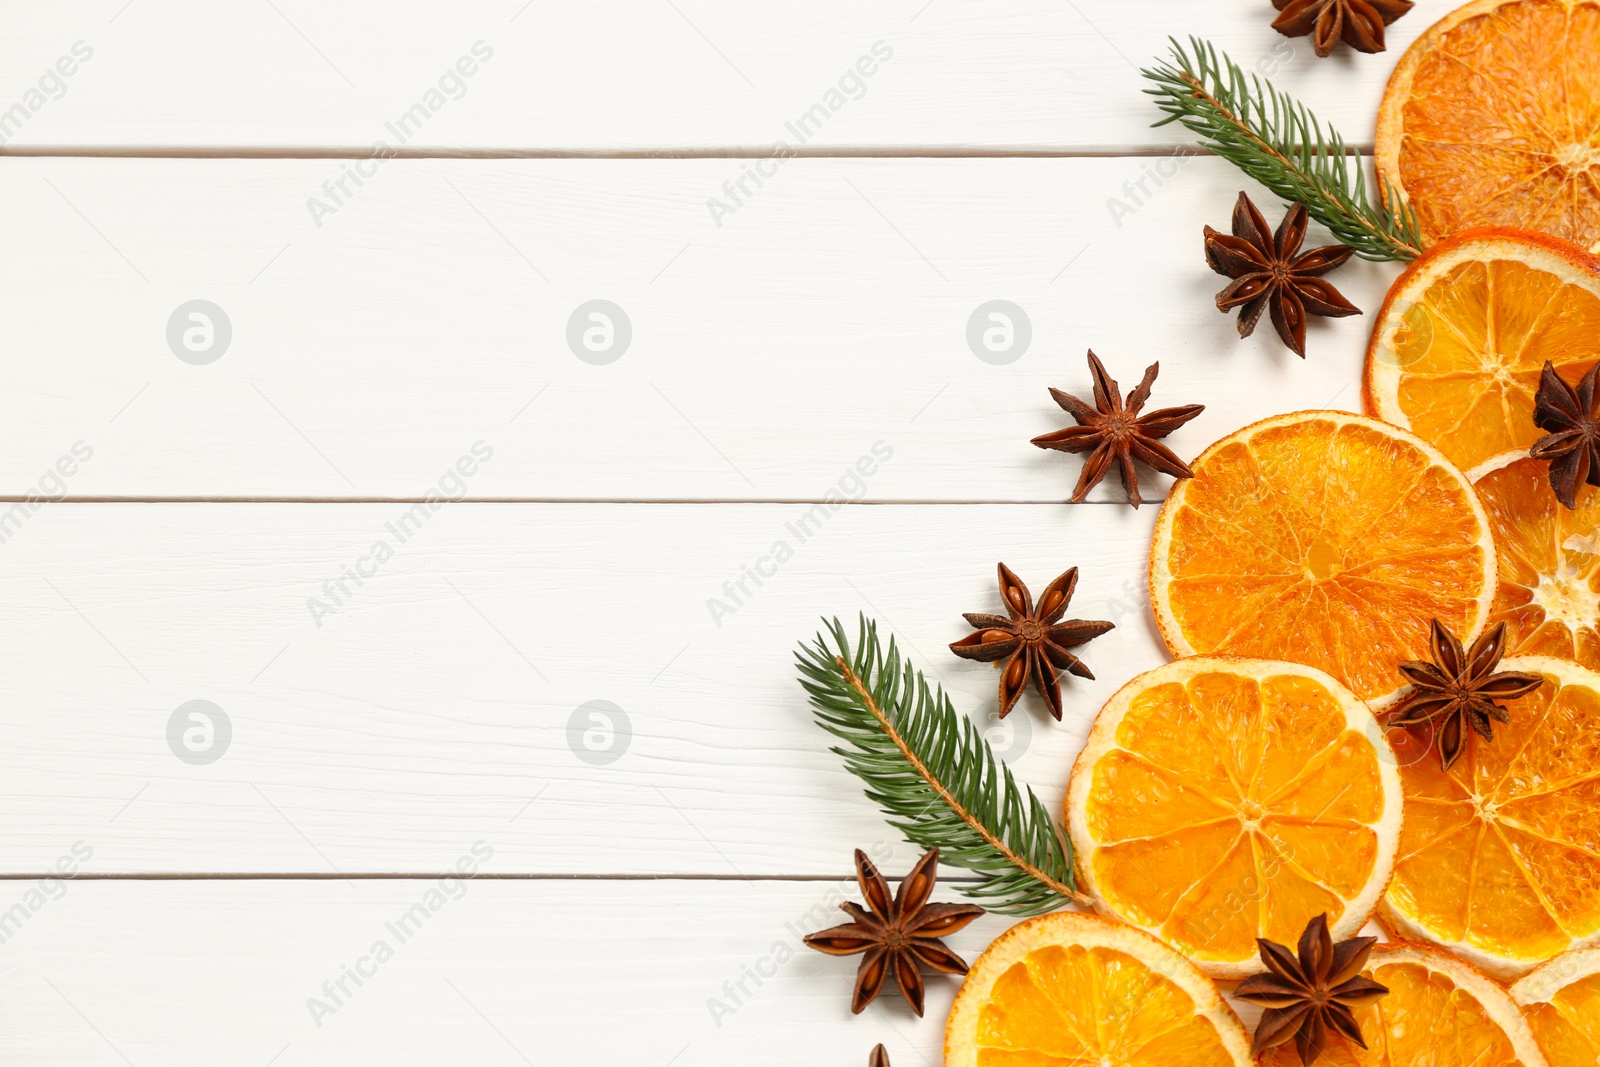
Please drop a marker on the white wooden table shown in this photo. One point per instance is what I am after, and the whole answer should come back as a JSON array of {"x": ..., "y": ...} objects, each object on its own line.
[{"x": 383, "y": 718}]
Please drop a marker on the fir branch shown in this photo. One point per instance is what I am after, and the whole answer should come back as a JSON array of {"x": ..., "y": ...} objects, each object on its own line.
[
  {"x": 1278, "y": 141},
  {"x": 935, "y": 777}
]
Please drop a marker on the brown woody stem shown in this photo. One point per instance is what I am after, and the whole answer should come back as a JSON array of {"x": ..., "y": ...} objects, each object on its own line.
[
  {"x": 1199, "y": 92},
  {"x": 950, "y": 801}
]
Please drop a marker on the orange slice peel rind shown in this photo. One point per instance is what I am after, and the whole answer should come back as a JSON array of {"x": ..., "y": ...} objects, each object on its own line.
[
  {"x": 1075, "y": 988},
  {"x": 1464, "y": 333},
  {"x": 1440, "y": 1012},
  {"x": 1548, "y": 588},
  {"x": 1491, "y": 118},
  {"x": 1499, "y": 858},
  {"x": 1323, "y": 538},
  {"x": 1218, "y": 800},
  {"x": 1561, "y": 1002}
]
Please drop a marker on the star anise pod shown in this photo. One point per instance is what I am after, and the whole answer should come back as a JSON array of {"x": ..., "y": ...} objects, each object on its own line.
[
  {"x": 1116, "y": 433},
  {"x": 896, "y": 934},
  {"x": 880, "y": 1057},
  {"x": 1573, "y": 444},
  {"x": 1309, "y": 996},
  {"x": 1270, "y": 271},
  {"x": 1036, "y": 639},
  {"x": 1359, "y": 22},
  {"x": 1460, "y": 689}
]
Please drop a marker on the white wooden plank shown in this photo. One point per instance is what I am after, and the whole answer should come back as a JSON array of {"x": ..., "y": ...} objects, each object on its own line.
[
  {"x": 500, "y": 973},
  {"x": 642, "y": 75},
  {"x": 433, "y": 705},
  {"x": 431, "y": 311}
]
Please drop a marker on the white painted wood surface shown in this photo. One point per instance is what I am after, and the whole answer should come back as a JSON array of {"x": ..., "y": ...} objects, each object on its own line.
[
  {"x": 431, "y": 311},
  {"x": 432, "y": 703},
  {"x": 643, "y": 75},
  {"x": 194, "y": 974},
  {"x": 414, "y": 325}
]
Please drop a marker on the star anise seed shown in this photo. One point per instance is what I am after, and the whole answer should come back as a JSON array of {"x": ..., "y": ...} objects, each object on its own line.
[
  {"x": 1460, "y": 688},
  {"x": 1036, "y": 639},
  {"x": 1359, "y": 22},
  {"x": 1270, "y": 271},
  {"x": 1114, "y": 432},
  {"x": 896, "y": 935},
  {"x": 1573, "y": 444},
  {"x": 880, "y": 1057},
  {"x": 1309, "y": 996}
]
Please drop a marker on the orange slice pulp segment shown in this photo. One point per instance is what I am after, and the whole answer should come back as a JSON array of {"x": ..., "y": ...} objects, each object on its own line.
[
  {"x": 1458, "y": 347},
  {"x": 1439, "y": 1013},
  {"x": 1500, "y": 856},
  {"x": 1069, "y": 988},
  {"x": 1321, "y": 538},
  {"x": 1493, "y": 118},
  {"x": 1548, "y": 593},
  {"x": 1222, "y": 800},
  {"x": 1561, "y": 1001}
]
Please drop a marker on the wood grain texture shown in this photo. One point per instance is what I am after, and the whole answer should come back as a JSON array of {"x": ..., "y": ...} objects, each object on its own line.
[
  {"x": 193, "y": 974},
  {"x": 403, "y": 336},
  {"x": 478, "y": 971},
  {"x": 435, "y": 702},
  {"x": 639, "y": 75},
  {"x": 431, "y": 311}
]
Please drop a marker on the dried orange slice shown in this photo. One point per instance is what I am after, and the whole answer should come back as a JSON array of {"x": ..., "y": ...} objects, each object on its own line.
[
  {"x": 1439, "y": 1013},
  {"x": 1456, "y": 352},
  {"x": 1075, "y": 989},
  {"x": 1548, "y": 594},
  {"x": 1561, "y": 1001},
  {"x": 1321, "y": 538},
  {"x": 1221, "y": 800},
  {"x": 1500, "y": 855},
  {"x": 1493, "y": 118}
]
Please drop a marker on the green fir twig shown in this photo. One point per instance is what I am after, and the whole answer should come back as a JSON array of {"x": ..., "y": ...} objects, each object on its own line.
[
  {"x": 1277, "y": 141},
  {"x": 935, "y": 777}
]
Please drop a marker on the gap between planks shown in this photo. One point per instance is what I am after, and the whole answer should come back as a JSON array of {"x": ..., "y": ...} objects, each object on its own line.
[
  {"x": 414, "y": 876},
  {"x": 663, "y": 501},
  {"x": 868, "y": 152}
]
